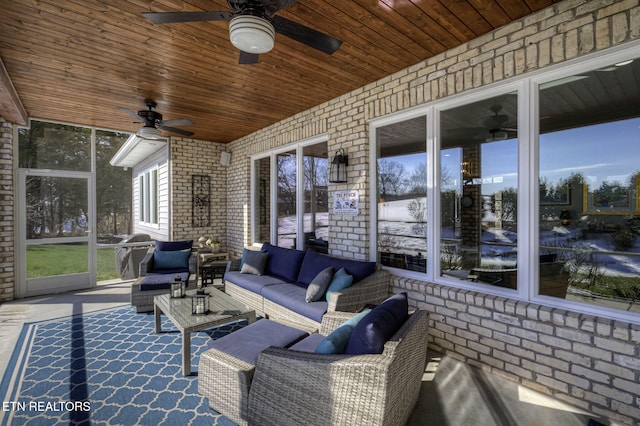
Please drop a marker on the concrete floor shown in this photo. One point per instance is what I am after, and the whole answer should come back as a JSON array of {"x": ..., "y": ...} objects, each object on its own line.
[{"x": 453, "y": 393}]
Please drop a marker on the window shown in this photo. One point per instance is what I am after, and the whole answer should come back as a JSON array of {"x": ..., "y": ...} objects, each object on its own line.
[
  {"x": 589, "y": 217},
  {"x": 281, "y": 213},
  {"x": 530, "y": 189},
  {"x": 148, "y": 193},
  {"x": 55, "y": 146},
  {"x": 286, "y": 186},
  {"x": 262, "y": 195},
  {"x": 402, "y": 194},
  {"x": 478, "y": 191}
]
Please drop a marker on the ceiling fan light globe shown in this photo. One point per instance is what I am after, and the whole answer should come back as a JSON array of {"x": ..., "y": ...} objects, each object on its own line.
[
  {"x": 252, "y": 34},
  {"x": 148, "y": 132}
]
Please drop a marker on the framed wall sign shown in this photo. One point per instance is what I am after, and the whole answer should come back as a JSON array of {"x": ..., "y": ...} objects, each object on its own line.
[{"x": 345, "y": 203}]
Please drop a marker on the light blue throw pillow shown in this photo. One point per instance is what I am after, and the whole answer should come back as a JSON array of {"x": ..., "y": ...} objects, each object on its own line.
[
  {"x": 174, "y": 259},
  {"x": 336, "y": 342},
  {"x": 340, "y": 281}
]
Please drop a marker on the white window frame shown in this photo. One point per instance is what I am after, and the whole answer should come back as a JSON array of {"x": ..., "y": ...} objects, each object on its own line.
[
  {"x": 528, "y": 209},
  {"x": 298, "y": 147},
  {"x": 148, "y": 193}
]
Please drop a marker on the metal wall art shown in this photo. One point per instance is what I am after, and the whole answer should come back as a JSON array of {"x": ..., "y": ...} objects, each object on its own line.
[{"x": 201, "y": 201}]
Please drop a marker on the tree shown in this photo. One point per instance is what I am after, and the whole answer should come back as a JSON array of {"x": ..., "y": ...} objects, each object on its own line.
[
  {"x": 113, "y": 186},
  {"x": 390, "y": 177}
]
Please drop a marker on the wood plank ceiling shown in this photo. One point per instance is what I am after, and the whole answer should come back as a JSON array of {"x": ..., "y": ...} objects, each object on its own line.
[{"x": 77, "y": 61}]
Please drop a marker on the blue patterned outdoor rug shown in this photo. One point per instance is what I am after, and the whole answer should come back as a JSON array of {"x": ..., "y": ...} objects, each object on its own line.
[{"x": 106, "y": 368}]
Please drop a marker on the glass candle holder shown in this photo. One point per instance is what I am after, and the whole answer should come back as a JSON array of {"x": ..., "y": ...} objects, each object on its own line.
[
  {"x": 200, "y": 304},
  {"x": 177, "y": 288}
]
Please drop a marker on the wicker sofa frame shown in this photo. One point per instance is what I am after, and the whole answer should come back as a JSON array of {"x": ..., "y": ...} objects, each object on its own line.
[
  {"x": 143, "y": 300},
  {"x": 289, "y": 387},
  {"x": 371, "y": 290}
]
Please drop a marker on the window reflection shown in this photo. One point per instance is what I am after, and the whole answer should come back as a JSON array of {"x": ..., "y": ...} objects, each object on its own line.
[
  {"x": 262, "y": 188},
  {"x": 478, "y": 191},
  {"x": 286, "y": 164},
  {"x": 402, "y": 195},
  {"x": 588, "y": 178}
]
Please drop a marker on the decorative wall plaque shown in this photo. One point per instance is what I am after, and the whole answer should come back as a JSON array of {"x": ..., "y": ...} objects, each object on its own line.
[{"x": 201, "y": 201}]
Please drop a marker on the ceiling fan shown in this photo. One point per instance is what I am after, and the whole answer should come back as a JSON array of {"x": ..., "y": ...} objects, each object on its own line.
[
  {"x": 153, "y": 122},
  {"x": 253, "y": 25},
  {"x": 497, "y": 126}
]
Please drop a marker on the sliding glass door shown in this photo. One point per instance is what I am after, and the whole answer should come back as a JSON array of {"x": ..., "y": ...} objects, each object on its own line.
[{"x": 290, "y": 197}]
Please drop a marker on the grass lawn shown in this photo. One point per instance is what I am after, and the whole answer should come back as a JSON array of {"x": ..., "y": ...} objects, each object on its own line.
[{"x": 58, "y": 259}]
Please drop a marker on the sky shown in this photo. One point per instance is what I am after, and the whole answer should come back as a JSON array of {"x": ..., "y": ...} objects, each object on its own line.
[{"x": 603, "y": 152}]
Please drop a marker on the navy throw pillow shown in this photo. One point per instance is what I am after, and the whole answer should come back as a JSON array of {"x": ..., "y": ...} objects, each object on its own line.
[
  {"x": 373, "y": 331},
  {"x": 174, "y": 259},
  {"x": 283, "y": 263},
  {"x": 336, "y": 342}
]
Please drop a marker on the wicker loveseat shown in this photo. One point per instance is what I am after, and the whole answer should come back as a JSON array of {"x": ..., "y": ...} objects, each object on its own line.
[{"x": 279, "y": 293}]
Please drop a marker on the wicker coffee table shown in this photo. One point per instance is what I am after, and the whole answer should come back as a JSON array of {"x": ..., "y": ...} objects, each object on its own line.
[{"x": 222, "y": 309}]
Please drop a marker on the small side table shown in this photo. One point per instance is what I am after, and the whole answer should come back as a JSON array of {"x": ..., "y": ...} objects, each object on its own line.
[
  {"x": 206, "y": 256},
  {"x": 211, "y": 270}
]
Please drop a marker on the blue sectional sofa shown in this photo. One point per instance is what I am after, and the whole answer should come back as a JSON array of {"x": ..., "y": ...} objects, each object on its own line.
[{"x": 280, "y": 289}]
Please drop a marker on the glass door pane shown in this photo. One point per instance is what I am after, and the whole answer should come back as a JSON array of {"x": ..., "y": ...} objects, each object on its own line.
[
  {"x": 316, "y": 199},
  {"x": 262, "y": 197},
  {"x": 286, "y": 199}
]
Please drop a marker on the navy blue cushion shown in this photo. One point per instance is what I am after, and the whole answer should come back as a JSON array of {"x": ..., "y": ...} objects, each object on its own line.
[
  {"x": 160, "y": 281},
  {"x": 248, "y": 342},
  {"x": 173, "y": 245},
  {"x": 309, "y": 343},
  {"x": 293, "y": 297},
  {"x": 373, "y": 331},
  {"x": 252, "y": 283},
  {"x": 315, "y": 262},
  {"x": 283, "y": 262},
  {"x": 174, "y": 259}
]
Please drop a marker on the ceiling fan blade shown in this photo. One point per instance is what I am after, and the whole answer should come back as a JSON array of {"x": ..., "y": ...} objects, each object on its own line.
[
  {"x": 273, "y": 6},
  {"x": 170, "y": 17},
  {"x": 312, "y": 38},
  {"x": 176, "y": 122},
  {"x": 131, "y": 113},
  {"x": 178, "y": 131},
  {"x": 248, "y": 58}
]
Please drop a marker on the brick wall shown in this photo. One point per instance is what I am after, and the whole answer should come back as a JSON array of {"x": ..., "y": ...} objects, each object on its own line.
[
  {"x": 7, "y": 203},
  {"x": 590, "y": 362},
  {"x": 587, "y": 361},
  {"x": 193, "y": 157}
]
